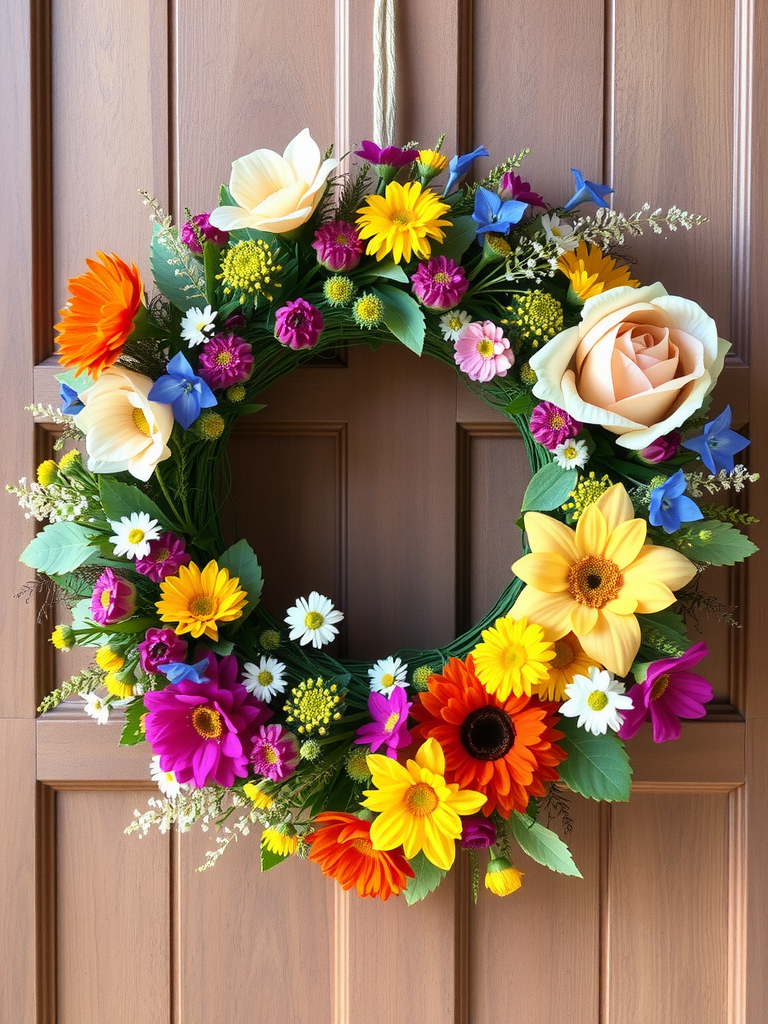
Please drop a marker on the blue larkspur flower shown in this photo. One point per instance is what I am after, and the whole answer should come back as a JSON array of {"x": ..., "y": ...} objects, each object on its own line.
[
  {"x": 181, "y": 388},
  {"x": 70, "y": 400},
  {"x": 177, "y": 670},
  {"x": 718, "y": 444},
  {"x": 492, "y": 213},
  {"x": 459, "y": 165},
  {"x": 587, "y": 192},
  {"x": 670, "y": 506}
]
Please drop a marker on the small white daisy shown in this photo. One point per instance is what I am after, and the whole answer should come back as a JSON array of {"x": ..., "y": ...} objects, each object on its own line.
[
  {"x": 597, "y": 700},
  {"x": 265, "y": 679},
  {"x": 571, "y": 453},
  {"x": 388, "y": 673},
  {"x": 312, "y": 620},
  {"x": 133, "y": 534},
  {"x": 559, "y": 231},
  {"x": 166, "y": 781},
  {"x": 452, "y": 322},
  {"x": 96, "y": 708},
  {"x": 197, "y": 325}
]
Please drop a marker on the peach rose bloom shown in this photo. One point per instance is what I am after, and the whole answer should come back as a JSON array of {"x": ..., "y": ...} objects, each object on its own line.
[{"x": 640, "y": 363}]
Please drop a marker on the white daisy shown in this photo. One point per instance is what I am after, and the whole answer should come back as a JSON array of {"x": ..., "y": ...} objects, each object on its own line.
[
  {"x": 166, "y": 781},
  {"x": 559, "y": 231},
  {"x": 265, "y": 679},
  {"x": 571, "y": 453},
  {"x": 313, "y": 619},
  {"x": 197, "y": 325},
  {"x": 96, "y": 708},
  {"x": 452, "y": 322},
  {"x": 597, "y": 700},
  {"x": 387, "y": 674},
  {"x": 133, "y": 534}
]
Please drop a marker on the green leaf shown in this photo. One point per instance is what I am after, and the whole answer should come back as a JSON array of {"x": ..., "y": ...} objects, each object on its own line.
[
  {"x": 549, "y": 488},
  {"x": 211, "y": 259},
  {"x": 73, "y": 585},
  {"x": 596, "y": 766},
  {"x": 520, "y": 406},
  {"x": 403, "y": 316},
  {"x": 77, "y": 384},
  {"x": 118, "y": 500},
  {"x": 427, "y": 878},
  {"x": 458, "y": 238},
  {"x": 542, "y": 845},
  {"x": 178, "y": 275},
  {"x": 269, "y": 859},
  {"x": 388, "y": 269},
  {"x": 132, "y": 732},
  {"x": 662, "y": 633},
  {"x": 138, "y": 625},
  {"x": 221, "y": 647},
  {"x": 241, "y": 561},
  {"x": 60, "y": 548},
  {"x": 722, "y": 543}
]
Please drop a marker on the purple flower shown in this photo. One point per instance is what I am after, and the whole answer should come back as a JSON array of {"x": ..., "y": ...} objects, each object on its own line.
[
  {"x": 275, "y": 753},
  {"x": 388, "y": 161},
  {"x": 477, "y": 833},
  {"x": 670, "y": 692},
  {"x": 670, "y": 506},
  {"x": 512, "y": 186},
  {"x": 161, "y": 647},
  {"x": 662, "y": 448},
  {"x": 165, "y": 556},
  {"x": 586, "y": 192},
  {"x": 439, "y": 283},
  {"x": 182, "y": 389},
  {"x": 551, "y": 426},
  {"x": 298, "y": 324},
  {"x": 338, "y": 246},
  {"x": 390, "y": 718},
  {"x": 718, "y": 444},
  {"x": 212, "y": 234},
  {"x": 113, "y": 598},
  {"x": 225, "y": 360}
]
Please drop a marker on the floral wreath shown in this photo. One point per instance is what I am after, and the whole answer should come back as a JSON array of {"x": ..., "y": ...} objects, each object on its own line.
[{"x": 376, "y": 772}]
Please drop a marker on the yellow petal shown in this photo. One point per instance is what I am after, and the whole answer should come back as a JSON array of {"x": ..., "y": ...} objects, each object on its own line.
[
  {"x": 615, "y": 506},
  {"x": 430, "y": 755},
  {"x": 548, "y": 534},
  {"x": 614, "y": 641},
  {"x": 626, "y": 542},
  {"x": 545, "y": 570},
  {"x": 591, "y": 532},
  {"x": 658, "y": 565},
  {"x": 387, "y": 831},
  {"x": 583, "y": 619},
  {"x": 550, "y": 611},
  {"x": 438, "y": 847}
]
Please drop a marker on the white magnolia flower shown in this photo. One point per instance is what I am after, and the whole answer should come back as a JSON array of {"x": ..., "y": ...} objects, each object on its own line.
[
  {"x": 312, "y": 620},
  {"x": 265, "y": 679},
  {"x": 388, "y": 673},
  {"x": 571, "y": 453},
  {"x": 133, "y": 534},
  {"x": 166, "y": 781},
  {"x": 597, "y": 700},
  {"x": 96, "y": 708},
  {"x": 559, "y": 231},
  {"x": 452, "y": 323},
  {"x": 197, "y": 325}
]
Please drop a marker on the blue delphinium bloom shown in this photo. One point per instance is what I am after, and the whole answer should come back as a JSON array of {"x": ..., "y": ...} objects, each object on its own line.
[
  {"x": 492, "y": 213},
  {"x": 587, "y": 192},
  {"x": 718, "y": 444},
  {"x": 181, "y": 388},
  {"x": 459, "y": 165},
  {"x": 70, "y": 400},
  {"x": 177, "y": 670},
  {"x": 670, "y": 506}
]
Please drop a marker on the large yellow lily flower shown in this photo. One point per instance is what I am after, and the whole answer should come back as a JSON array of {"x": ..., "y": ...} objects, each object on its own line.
[{"x": 595, "y": 580}]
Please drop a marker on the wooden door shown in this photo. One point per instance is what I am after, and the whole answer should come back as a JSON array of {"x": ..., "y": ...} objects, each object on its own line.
[{"x": 380, "y": 481}]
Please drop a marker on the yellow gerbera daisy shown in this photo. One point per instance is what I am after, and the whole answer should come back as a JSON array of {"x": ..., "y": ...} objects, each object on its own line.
[
  {"x": 594, "y": 580},
  {"x": 512, "y": 657},
  {"x": 570, "y": 660},
  {"x": 590, "y": 272},
  {"x": 402, "y": 221},
  {"x": 198, "y": 601},
  {"x": 418, "y": 809}
]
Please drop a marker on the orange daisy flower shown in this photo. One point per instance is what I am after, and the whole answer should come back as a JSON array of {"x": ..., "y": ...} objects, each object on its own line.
[
  {"x": 99, "y": 317},
  {"x": 505, "y": 749},
  {"x": 344, "y": 851}
]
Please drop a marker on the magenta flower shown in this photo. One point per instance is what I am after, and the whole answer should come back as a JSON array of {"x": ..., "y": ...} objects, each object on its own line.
[
  {"x": 225, "y": 360},
  {"x": 211, "y": 233},
  {"x": 161, "y": 647},
  {"x": 477, "y": 833},
  {"x": 202, "y": 731},
  {"x": 512, "y": 186},
  {"x": 670, "y": 692},
  {"x": 390, "y": 718},
  {"x": 113, "y": 598},
  {"x": 439, "y": 283},
  {"x": 338, "y": 246},
  {"x": 298, "y": 324},
  {"x": 551, "y": 426},
  {"x": 663, "y": 448},
  {"x": 386, "y": 160},
  {"x": 165, "y": 556},
  {"x": 275, "y": 753},
  {"x": 482, "y": 351}
]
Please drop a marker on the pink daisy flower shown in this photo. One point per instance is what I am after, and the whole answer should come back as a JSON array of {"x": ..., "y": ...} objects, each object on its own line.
[
  {"x": 165, "y": 556},
  {"x": 298, "y": 324},
  {"x": 439, "y": 283},
  {"x": 482, "y": 351},
  {"x": 160, "y": 647},
  {"x": 225, "y": 360},
  {"x": 390, "y": 718},
  {"x": 551, "y": 426},
  {"x": 275, "y": 753},
  {"x": 338, "y": 246},
  {"x": 113, "y": 598}
]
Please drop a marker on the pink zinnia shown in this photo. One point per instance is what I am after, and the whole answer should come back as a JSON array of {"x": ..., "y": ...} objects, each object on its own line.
[
  {"x": 165, "y": 556},
  {"x": 298, "y": 324},
  {"x": 225, "y": 360},
  {"x": 275, "y": 753},
  {"x": 390, "y": 718},
  {"x": 482, "y": 351},
  {"x": 551, "y": 426},
  {"x": 161, "y": 647},
  {"x": 202, "y": 730},
  {"x": 663, "y": 448},
  {"x": 439, "y": 283},
  {"x": 113, "y": 598},
  {"x": 211, "y": 233},
  {"x": 338, "y": 246},
  {"x": 670, "y": 692}
]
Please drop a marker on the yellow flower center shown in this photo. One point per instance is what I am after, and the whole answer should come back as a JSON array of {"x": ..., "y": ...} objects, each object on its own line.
[
  {"x": 485, "y": 348},
  {"x": 202, "y": 606},
  {"x": 391, "y": 722},
  {"x": 342, "y": 239},
  {"x": 364, "y": 846},
  {"x": 207, "y": 722},
  {"x": 660, "y": 686},
  {"x": 270, "y": 755},
  {"x": 105, "y": 597},
  {"x": 564, "y": 655},
  {"x": 265, "y": 678},
  {"x": 441, "y": 277},
  {"x": 387, "y": 680},
  {"x": 401, "y": 217},
  {"x": 594, "y": 581},
  {"x": 454, "y": 324},
  {"x": 140, "y": 421},
  {"x": 421, "y": 800},
  {"x": 570, "y": 452},
  {"x": 223, "y": 358},
  {"x": 313, "y": 620},
  {"x": 162, "y": 555},
  {"x": 511, "y": 655},
  {"x": 136, "y": 536},
  {"x": 556, "y": 422},
  {"x": 597, "y": 700}
]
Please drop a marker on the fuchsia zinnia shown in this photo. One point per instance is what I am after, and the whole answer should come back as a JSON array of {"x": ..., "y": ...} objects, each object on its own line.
[
  {"x": 439, "y": 283},
  {"x": 225, "y": 360},
  {"x": 670, "y": 692},
  {"x": 338, "y": 246},
  {"x": 551, "y": 426},
  {"x": 298, "y": 324},
  {"x": 166, "y": 554},
  {"x": 113, "y": 598}
]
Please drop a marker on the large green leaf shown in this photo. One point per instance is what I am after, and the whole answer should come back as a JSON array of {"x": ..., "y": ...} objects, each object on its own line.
[
  {"x": 178, "y": 275},
  {"x": 596, "y": 766},
  {"x": 119, "y": 499},
  {"x": 542, "y": 845},
  {"x": 241, "y": 561},
  {"x": 458, "y": 238},
  {"x": 427, "y": 878},
  {"x": 270, "y": 859},
  {"x": 549, "y": 488},
  {"x": 387, "y": 268},
  {"x": 715, "y": 543},
  {"x": 132, "y": 732},
  {"x": 403, "y": 316},
  {"x": 60, "y": 548}
]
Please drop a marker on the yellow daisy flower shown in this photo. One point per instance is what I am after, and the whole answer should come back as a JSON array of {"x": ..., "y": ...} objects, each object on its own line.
[
  {"x": 281, "y": 841},
  {"x": 417, "y": 808},
  {"x": 261, "y": 801},
  {"x": 512, "y": 657},
  {"x": 595, "y": 580},
  {"x": 590, "y": 272},
  {"x": 569, "y": 661},
  {"x": 402, "y": 221},
  {"x": 198, "y": 601}
]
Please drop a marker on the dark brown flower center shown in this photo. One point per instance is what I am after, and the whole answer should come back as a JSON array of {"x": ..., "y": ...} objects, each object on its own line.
[
  {"x": 488, "y": 733},
  {"x": 660, "y": 686},
  {"x": 594, "y": 581}
]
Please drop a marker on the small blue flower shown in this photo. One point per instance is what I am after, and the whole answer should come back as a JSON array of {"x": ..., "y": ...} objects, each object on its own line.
[
  {"x": 184, "y": 390},
  {"x": 587, "y": 192},
  {"x": 459, "y": 165},
  {"x": 177, "y": 670},
  {"x": 718, "y": 444},
  {"x": 492, "y": 213},
  {"x": 70, "y": 400},
  {"x": 670, "y": 506}
]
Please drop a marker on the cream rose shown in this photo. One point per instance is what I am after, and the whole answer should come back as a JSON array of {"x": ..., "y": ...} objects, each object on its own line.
[
  {"x": 275, "y": 193},
  {"x": 639, "y": 363},
  {"x": 123, "y": 429}
]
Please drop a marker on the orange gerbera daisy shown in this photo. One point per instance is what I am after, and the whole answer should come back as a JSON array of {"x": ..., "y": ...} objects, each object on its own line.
[
  {"x": 99, "y": 317},
  {"x": 344, "y": 851},
  {"x": 505, "y": 749}
]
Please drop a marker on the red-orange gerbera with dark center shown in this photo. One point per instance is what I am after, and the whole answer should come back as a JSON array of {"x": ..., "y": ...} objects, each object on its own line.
[
  {"x": 343, "y": 850},
  {"x": 506, "y": 749},
  {"x": 99, "y": 317}
]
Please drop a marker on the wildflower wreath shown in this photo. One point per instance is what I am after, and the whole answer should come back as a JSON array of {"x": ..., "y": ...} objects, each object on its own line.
[{"x": 377, "y": 771}]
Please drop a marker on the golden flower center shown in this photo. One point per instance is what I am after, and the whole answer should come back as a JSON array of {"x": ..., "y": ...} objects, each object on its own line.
[
  {"x": 564, "y": 655},
  {"x": 162, "y": 555},
  {"x": 105, "y": 598},
  {"x": 594, "y": 581},
  {"x": 223, "y": 358},
  {"x": 454, "y": 324},
  {"x": 135, "y": 536},
  {"x": 387, "y": 680},
  {"x": 269, "y": 754},
  {"x": 141, "y": 422},
  {"x": 441, "y": 277},
  {"x": 265, "y": 678},
  {"x": 597, "y": 700},
  {"x": 556, "y": 422},
  {"x": 660, "y": 686},
  {"x": 207, "y": 722},
  {"x": 342, "y": 239},
  {"x": 364, "y": 846},
  {"x": 421, "y": 800},
  {"x": 401, "y": 217},
  {"x": 485, "y": 348},
  {"x": 313, "y": 620},
  {"x": 202, "y": 606},
  {"x": 391, "y": 722}
]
